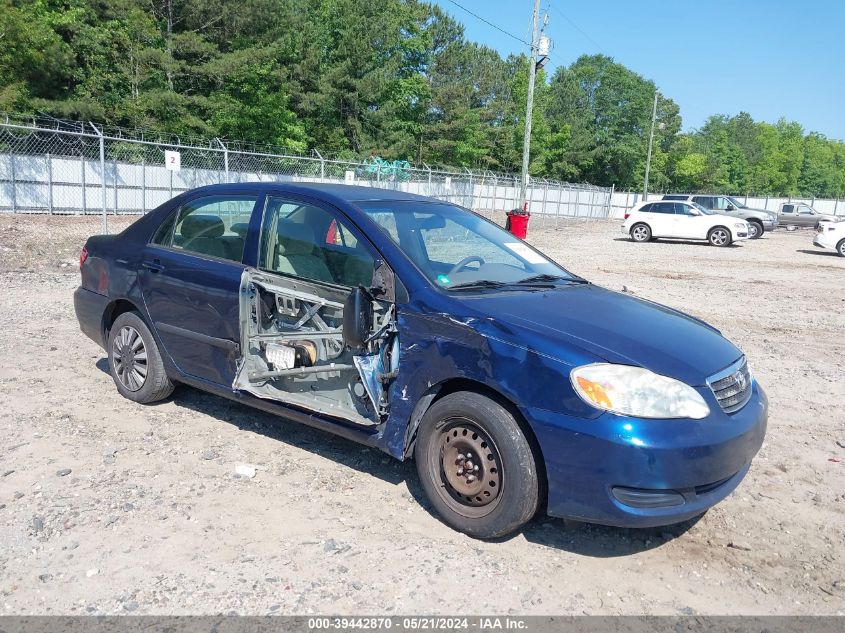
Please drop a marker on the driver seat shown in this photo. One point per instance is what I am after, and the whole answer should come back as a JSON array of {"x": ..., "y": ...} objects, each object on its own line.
[{"x": 297, "y": 253}]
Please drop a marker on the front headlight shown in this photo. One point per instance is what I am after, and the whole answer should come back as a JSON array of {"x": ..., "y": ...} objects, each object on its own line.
[
  {"x": 740, "y": 225},
  {"x": 636, "y": 392}
]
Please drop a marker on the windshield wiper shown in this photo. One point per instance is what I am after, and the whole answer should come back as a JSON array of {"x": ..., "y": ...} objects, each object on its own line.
[
  {"x": 546, "y": 278},
  {"x": 478, "y": 283},
  {"x": 535, "y": 281}
]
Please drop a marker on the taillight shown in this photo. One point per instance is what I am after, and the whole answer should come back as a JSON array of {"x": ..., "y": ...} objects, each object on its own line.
[
  {"x": 627, "y": 215},
  {"x": 83, "y": 256}
]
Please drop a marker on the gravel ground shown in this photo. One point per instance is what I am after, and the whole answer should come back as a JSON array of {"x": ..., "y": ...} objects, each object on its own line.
[{"x": 110, "y": 507}]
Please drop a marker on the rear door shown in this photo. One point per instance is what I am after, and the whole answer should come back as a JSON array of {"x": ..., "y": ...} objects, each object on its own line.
[
  {"x": 190, "y": 279},
  {"x": 662, "y": 219},
  {"x": 708, "y": 202},
  {"x": 787, "y": 214}
]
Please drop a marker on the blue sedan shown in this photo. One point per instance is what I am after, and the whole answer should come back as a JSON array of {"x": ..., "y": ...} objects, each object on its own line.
[{"x": 424, "y": 330}]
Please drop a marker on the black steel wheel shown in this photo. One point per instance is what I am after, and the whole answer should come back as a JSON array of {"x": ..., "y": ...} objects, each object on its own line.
[{"x": 476, "y": 465}]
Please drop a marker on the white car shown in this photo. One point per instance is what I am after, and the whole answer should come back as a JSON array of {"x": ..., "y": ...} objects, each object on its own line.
[
  {"x": 682, "y": 220},
  {"x": 831, "y": 235}
]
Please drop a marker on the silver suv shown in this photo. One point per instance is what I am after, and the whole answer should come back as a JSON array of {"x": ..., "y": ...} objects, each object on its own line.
[{"x": 759, "y": 220}]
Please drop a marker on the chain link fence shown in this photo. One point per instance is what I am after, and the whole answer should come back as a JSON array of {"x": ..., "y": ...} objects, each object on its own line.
[{"x": 79, "y": 169}]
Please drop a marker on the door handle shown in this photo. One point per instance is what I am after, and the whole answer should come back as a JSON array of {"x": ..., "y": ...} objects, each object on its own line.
[{"x": 153, "y": 266}]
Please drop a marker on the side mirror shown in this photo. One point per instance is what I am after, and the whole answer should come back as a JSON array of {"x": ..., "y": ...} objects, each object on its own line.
[
  {"x": 731, "y": 207},
  {"x": 357, "y": 319}
]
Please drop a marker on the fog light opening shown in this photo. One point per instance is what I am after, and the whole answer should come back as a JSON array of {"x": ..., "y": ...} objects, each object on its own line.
[{"x": 640, "y": 498}]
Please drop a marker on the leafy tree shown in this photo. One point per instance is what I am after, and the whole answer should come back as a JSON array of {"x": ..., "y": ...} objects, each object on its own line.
[{"x": 396, "y": 78}]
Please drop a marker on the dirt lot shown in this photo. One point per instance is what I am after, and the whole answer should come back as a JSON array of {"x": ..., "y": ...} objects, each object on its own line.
[{"x": 111, "y": 507}]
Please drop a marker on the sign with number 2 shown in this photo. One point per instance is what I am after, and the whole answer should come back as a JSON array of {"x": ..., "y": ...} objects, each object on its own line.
[{"x": 172, "y": 160}]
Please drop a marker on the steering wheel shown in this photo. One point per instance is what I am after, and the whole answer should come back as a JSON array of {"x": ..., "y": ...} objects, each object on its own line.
[{"x": 465, "y": 262}]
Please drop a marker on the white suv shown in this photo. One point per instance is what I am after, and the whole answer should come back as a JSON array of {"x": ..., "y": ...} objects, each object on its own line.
[
  {"x": 682, "y": 220},
  {"x": 831, "y": 235}
]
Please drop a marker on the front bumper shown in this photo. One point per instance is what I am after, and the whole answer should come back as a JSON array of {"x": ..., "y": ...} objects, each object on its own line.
[
  {"x": 820, "y": 243},
  {"x": 631, "y": 472}
]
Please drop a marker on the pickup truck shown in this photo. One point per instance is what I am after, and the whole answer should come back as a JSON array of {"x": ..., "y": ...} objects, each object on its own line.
[{"x": 802, "y": 214}]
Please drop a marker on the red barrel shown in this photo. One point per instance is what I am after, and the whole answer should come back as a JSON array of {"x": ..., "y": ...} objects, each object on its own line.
[{"x": 517, "y": 223}]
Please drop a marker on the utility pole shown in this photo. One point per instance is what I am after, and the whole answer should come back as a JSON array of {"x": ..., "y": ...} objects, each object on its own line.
[
  {"x": 532, "y": 74},
  {"x": 650, "y": 143}
]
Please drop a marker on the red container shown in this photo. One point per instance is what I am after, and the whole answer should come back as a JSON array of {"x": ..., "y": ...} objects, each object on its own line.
[{"x": 517, "y": 223}]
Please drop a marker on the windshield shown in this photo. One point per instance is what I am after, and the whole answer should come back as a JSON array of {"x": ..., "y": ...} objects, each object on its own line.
[
  {"x": 454, "y": 248},
  {"x": 737, "y": 204}
]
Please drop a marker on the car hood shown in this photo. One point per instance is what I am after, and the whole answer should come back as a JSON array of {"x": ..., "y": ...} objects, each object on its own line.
[
  {"x": 754, "y": 212},
  {"x": 615, "y": 327}
]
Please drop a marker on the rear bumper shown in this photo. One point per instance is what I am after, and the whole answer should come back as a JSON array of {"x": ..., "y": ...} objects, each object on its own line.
[
  {"x": 90, "y": 308},
  {"x": 630, "y": 472}
]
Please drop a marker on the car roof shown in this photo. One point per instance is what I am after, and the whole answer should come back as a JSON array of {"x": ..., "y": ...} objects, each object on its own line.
[{"x": 348, "y": 193}]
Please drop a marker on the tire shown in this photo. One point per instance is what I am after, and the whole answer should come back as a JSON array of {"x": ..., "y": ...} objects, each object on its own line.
[
  {"x": 135, "y": 363},
  {"x": 840, "y": 248},
  {"x": 719, "y": 236},
  {"x": 493, "y": 492},
  {"x": 756, "y": 229},
  {"x": 640, "y": 232}
]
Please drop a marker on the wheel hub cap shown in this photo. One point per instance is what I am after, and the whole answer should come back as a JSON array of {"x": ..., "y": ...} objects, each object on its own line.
[{"x": 130, "y": 358}]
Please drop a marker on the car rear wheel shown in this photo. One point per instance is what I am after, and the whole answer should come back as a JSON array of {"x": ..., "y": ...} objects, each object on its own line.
[
  {"x": 719, "y": 236},
  {"x": 476, "y": 465},
  {"x": 840, "y": 248},
  {"x": 755, "y": 229},
  {"x": 134, "y": 361},
  {"x": 640, "y": 233}
]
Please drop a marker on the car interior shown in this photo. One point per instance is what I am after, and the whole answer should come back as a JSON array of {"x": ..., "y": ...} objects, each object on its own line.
[{"x": 312, "y": 334}]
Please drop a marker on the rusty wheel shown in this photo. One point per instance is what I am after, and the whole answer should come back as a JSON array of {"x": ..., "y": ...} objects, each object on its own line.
[
  {"x": 470, "y": 468},
  {"x": 476, "y": 466}
]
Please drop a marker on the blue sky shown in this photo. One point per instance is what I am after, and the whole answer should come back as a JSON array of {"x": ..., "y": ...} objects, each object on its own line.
[{"x": 771, "y": 58}]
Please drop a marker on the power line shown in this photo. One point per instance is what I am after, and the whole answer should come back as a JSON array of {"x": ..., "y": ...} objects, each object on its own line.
[
  {"x": 489, "y": 23},
  {"x": 579, "y": 29}
]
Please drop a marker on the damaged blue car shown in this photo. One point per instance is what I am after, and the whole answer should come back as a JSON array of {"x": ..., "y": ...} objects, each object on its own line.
[{"x": 422, "y": 329}]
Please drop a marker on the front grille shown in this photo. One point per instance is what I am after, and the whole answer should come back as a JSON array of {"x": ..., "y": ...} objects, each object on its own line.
[{"x": 732, "y": 386}]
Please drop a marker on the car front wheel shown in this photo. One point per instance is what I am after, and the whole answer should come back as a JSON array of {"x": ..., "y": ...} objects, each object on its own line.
[
  {"x": 640, "y": 233},
  {"x": 840, "y": 248},
  {"x": 476, "y": 465},
  {"x": 755, "y": 230},
  {"x": 134, "y": 361},
  {"x": 719, "y": 236}
]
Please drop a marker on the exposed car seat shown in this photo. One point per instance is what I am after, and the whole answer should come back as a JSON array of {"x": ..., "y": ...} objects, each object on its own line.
[
  {"x": 297, "y": 253},
  {"x": 205, "y": 234},
  {"x": 202, "y": 234}
]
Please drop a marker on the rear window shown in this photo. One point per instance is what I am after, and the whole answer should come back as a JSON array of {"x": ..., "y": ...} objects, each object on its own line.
[
  {"x": 663, "y": 207},
  {"x": 674, "y": 197}
]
